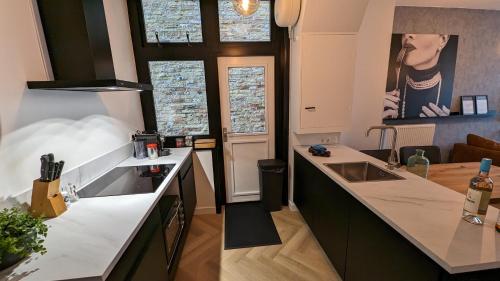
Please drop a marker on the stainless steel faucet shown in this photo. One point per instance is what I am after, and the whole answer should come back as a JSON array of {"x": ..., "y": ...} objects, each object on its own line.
[{"x": 391, "y": 162}]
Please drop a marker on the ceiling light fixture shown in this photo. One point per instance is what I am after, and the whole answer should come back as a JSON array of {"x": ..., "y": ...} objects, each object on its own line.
[{"x": 246, "y": 7}]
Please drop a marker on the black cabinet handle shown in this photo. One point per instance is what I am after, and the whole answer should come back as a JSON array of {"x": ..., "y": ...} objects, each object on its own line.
[{"x": 310, "y": 108}]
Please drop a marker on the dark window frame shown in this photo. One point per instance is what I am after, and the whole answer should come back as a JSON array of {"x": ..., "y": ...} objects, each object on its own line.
[{"x": 208, "y": 51}]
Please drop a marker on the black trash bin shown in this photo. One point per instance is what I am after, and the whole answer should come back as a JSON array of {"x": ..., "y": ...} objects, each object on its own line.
[{"x": 271, "y": 179}]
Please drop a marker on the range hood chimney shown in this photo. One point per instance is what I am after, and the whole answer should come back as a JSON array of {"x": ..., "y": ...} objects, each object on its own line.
[{"x": 79, "y": 49}]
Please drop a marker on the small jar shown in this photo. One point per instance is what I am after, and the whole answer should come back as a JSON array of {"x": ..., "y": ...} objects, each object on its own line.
[
  {"x": 155, "y": 169},
  {"x": 140, "y": 149},
  {"x": 152, "y": 151},
  {"x": 418, "y": 164},
  {"x": 179, "y": 142},
  {"x": 188, "y": 141}
]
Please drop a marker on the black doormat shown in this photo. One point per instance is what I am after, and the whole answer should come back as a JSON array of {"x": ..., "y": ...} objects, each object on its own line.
[{"x": 249, "y": 225}]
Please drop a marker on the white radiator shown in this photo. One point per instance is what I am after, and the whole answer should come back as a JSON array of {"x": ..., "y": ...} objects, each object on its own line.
[{"x": 410, "y": 135}]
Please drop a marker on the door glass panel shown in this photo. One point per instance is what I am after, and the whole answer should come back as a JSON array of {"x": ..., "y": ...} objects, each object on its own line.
[
  {"x": 180, "y": 97},
  {"x": 247, "y": 99},
  {"x": 172, "y": 19},
  {"x": 237, "y": 28}
]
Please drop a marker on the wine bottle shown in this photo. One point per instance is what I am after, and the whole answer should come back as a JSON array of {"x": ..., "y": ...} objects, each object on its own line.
[{"x": 478, "y": 194}]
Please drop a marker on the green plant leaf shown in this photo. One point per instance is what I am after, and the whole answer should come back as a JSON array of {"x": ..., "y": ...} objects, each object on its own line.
[{"x": 21, "y": 234}]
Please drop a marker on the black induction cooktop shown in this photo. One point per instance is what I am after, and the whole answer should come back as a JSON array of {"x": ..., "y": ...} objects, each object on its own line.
[{"x": 127, "y": 180}]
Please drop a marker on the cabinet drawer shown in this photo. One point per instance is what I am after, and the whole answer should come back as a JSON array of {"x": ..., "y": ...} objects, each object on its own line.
[{"x": 146, "y": 239}]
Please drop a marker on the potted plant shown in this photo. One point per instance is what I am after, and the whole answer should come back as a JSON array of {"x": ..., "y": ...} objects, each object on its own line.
[{"x": 20, "y": 235}]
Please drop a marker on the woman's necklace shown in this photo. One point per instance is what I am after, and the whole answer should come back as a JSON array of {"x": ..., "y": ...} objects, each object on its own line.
[{"x": 422, "y": 85}]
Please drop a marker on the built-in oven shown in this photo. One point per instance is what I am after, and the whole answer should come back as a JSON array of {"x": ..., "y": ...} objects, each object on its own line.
[{"x": 173, "y": 225}]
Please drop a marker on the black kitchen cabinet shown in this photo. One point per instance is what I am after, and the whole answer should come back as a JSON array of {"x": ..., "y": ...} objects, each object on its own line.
[
  {"x": 332, "y": 222},
  {"x": 145, "y": 257},
  {"x": 487, "y": 275},
  {"x": 379, "y": 253},
  {"x": 188, "y": 189},
  {"x": 305, "y": 192},
  {"x": 152, "y": 266},
  {"x": 360, "y": 245},
  {"x": 325, "y": 207}
]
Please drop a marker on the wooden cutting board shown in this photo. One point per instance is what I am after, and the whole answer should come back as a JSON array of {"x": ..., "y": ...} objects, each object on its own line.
[{"x": 457, "y": 176}]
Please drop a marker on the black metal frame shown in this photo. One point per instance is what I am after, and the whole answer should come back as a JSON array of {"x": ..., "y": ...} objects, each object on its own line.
[
  {"x": 467, "y": 98},
  {"x": 209, "y": 50},
  {"x": 487, "y": 104}
]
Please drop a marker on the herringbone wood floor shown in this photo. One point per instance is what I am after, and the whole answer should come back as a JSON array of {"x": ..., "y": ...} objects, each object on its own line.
[{"x": 298, "y": 258}]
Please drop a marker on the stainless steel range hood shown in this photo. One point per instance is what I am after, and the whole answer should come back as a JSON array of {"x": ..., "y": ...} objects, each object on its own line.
[{"x": 78, "y": 44}]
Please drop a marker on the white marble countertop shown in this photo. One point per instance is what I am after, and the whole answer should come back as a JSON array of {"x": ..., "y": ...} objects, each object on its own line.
[
  {"x": 90, "y": 237},
  {"x": 425, "y": 213}
]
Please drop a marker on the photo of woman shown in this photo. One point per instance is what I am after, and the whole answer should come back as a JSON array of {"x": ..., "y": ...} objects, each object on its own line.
[{"x": 420, "y": 77}]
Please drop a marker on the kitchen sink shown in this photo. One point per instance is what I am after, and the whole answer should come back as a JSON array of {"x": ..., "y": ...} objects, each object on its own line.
[{"x": 362, "y": 172}]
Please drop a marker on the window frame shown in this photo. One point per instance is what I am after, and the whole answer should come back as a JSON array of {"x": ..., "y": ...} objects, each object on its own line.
[
  {"x": 208, "y": 51},
  {"x": 144, "y": 38},
  {"x": 143, "y": 35}
]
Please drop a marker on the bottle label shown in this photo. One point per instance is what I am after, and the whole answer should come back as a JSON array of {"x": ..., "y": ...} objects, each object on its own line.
[{"x": 472, "y": 201}]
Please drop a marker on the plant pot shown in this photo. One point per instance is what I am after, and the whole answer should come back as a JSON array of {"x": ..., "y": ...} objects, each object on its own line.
[{"x": 9, "y": 260}]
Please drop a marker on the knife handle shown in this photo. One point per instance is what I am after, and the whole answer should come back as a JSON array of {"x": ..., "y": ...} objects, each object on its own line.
[
  {"x": 59, "y": 170},
  {"x": 56, "y": 171},
  {"x": 51, "y": 171}
]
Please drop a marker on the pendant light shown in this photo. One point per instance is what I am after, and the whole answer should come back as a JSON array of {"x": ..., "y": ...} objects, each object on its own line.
[{"x": 246, "y": 7}]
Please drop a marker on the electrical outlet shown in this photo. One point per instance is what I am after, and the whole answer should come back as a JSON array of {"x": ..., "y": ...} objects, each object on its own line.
[{"x": 326, "y": 140}]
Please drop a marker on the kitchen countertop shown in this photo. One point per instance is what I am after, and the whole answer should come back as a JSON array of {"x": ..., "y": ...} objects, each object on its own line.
[
  {"x": 90, "y": 237},
  {"x": 426, "y": 213}
]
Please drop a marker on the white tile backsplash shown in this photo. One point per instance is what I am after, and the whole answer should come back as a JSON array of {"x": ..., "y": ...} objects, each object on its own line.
[
  {"x": 82, "y": 175},
  {"x": 99, "y": 166},
  {"x": 311, "y": 139}
]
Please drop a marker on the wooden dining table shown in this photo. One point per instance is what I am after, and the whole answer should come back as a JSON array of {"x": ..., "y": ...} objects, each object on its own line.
[{"x": 456, "y": 176}]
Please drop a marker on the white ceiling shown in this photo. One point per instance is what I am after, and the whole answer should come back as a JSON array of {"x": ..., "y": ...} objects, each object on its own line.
[{"x": 467, "y": 4}]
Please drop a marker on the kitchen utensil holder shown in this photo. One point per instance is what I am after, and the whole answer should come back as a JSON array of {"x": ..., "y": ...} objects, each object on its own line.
[{"x": 46, "y": 199}]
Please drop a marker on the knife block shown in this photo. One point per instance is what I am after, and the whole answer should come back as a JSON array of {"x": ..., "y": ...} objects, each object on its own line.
[{"x": 46, "y": 199}]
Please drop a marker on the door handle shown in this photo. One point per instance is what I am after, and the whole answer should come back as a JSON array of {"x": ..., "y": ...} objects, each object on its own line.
[{"x": 225, "y": 133}]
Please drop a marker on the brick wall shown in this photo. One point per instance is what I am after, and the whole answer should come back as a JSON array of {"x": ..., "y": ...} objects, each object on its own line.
[
  {"x": 234, "y": 27},
  {"x": 247, "y": 99},
  {"x": 172, "y": 19},
  {"x": 180, "y": 97}
]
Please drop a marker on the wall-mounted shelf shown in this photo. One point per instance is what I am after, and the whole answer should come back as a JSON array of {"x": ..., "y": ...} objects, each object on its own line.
[{"x": 454, "y": 116}]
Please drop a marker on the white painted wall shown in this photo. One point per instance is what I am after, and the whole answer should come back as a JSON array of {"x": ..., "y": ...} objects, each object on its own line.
[
  {"x": 374, "y": 40},
  {"x": 204, "y": 179},
  {"x": 74, "y": 126},
  {"x": 372, "y": 60}
]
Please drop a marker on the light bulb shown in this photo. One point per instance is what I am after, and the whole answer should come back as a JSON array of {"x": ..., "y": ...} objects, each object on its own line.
[{"x": 246, "y": 7}]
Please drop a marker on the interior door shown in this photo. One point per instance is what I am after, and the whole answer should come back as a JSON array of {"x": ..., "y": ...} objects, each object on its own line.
[{"x": 247, "y": 116}]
